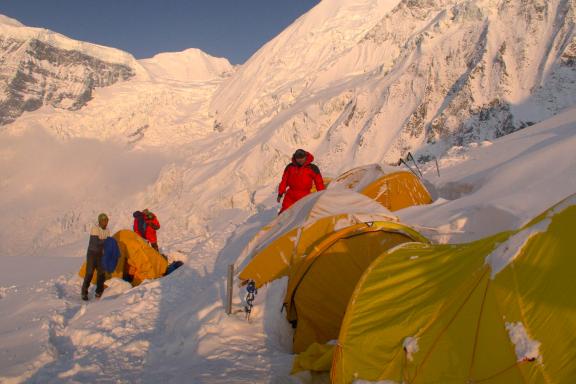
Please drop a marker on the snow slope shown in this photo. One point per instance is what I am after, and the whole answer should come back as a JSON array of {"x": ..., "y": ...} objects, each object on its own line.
[
  {"x": 367, "y": 81},
  {"x": 487, "y": 188},
  {"x": 175, "y": 329}
]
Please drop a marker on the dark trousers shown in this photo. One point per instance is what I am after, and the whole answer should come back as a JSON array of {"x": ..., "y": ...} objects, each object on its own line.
[{"x": 94, "y": 262}]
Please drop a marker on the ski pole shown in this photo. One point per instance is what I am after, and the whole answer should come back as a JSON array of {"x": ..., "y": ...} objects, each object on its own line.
[{"x": 410, "y": 157}]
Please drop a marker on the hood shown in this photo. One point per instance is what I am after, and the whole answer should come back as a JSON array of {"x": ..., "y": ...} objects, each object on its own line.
[{"x": 309, "y": 159}]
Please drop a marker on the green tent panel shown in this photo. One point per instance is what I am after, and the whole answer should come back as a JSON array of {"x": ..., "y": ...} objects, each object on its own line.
[{"x": 498, "y": 310}]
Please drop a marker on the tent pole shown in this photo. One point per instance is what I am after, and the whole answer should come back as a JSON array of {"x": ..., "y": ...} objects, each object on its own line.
[{"x": 229, "y": 289}]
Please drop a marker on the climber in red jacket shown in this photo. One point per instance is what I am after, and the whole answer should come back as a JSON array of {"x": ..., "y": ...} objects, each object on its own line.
[
  {"x": 146, "y": 224},
  {"x": 298, "y": 178}
]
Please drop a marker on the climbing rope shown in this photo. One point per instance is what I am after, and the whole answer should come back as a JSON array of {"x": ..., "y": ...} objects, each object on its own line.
[{"x": 251, "y": 293}]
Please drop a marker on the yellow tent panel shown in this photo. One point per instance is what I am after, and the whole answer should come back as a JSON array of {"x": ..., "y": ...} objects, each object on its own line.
[
  {"x": 393, "y": 187},
  {"x": 398, "y": 190},
  {"x": 320, "y": 285},
  {"x": 140, "y": 260},
  {"x": 498, "y": 310},
  {"x": 317, "y": 358}
]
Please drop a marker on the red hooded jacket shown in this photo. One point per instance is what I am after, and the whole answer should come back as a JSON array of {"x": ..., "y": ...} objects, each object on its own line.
[
  {"x": 297, "y": 181},
  {"x": 152, "y": 224}
]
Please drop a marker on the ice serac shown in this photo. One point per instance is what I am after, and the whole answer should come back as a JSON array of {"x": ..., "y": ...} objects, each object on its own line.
[
  {"x": 39, "y": 67},
  {"x": 187, "y": 66},
  {"x": 367, "y": 80}
]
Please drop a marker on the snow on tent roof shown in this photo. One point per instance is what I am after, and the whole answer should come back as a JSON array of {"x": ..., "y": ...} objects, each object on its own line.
[
  {"x": 358, "y": 178},
  {"x": 340, "y": 207}
]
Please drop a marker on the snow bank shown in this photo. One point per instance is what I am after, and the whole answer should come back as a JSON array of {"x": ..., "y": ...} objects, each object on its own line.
[{"x": 502, "y": 186}]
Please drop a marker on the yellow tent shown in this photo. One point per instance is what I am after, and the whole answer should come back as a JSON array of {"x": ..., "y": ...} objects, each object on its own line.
[
  {"x": 398, "y": 190},
  {"x": 320, "y": 285},
  {"x": 393, "y": 187},
  {"x": 498, "y": 310},
  {"x": 280, "y": 244},
  {"x": 137, "y": 258},
  {"x": 360, "y": 177}
]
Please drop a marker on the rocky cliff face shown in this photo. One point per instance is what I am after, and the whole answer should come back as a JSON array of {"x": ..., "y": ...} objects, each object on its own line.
[{"x": 34, "y": 73}]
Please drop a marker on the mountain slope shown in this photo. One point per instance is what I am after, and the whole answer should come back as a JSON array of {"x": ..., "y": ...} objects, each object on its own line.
[
  {"x": 40, "y": 67},
  {"x": 422, "y": 72}
]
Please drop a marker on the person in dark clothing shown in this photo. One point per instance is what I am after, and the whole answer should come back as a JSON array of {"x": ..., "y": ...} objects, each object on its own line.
[
  {"x": 298, "y": 178},
  {"x": 94, "y": 254}
]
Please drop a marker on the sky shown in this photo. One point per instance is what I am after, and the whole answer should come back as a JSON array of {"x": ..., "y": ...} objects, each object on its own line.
[{"x": 234, "y": 29}]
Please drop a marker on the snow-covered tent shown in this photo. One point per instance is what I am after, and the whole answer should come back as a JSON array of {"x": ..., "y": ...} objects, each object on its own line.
[
  {"x": 282, "y": 243},
  {"x": 498, "y": 310},
  {"x": 392, "y": 187},
  {"x": 358, "y": 178},
  {"x": 137, "y": 259},
  {"x": 321, "y": 284}
]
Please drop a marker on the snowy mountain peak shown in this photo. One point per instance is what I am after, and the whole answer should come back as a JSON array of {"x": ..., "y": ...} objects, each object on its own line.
[
  {"x": 5, "y": 20},
  {"x": 14, "y": 30},
  {"x": 44, "y": 68},
  {"x": 187, "y": 66}
]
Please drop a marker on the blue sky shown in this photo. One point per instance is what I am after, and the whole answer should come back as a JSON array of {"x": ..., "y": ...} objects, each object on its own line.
[{"x": 234, "y": 29}]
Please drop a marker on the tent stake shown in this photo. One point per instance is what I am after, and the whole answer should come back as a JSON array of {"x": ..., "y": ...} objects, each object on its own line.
[{"x": 229, "y": 289}]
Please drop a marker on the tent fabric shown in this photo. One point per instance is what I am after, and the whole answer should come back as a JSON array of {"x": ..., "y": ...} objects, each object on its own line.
[
  {"x": 393, "y": 187},
  {"x": 276, "y": 247},
  {"x": 498, "y": 310},
  {"x": 320, "y": 286},
  {"x": 398, "y": 190},
  {"x": 137, "y": 258},
  {"x": 317, "y": 358}
]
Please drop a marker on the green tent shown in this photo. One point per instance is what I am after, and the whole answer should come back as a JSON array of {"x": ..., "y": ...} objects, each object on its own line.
[{"x": 498, "y": 310}]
